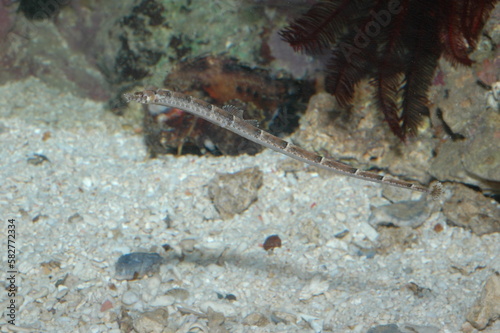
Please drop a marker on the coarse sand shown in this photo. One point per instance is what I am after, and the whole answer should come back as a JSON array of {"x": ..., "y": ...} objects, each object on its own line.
[{"x": 78, "y": 183}]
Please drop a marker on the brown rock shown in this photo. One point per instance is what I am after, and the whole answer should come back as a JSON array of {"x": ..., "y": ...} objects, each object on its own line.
[
  {"x": 152, "y": 322},
  {"x": 256, "y": 319},
  {"x": 487, "y": 307},
  {"x": 470, "y": 209},
  {"x": 234, "y": 193}
]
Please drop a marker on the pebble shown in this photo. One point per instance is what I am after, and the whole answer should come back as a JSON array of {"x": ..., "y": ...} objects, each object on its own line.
[
  {"x": 402, "y": 214},
  {"x": 393, "y": 328},
  {"x": 256, "y": 319},
  {"x": 390, "y": 328},
  {"x": 227, "y": 309},
  {"x": 315, "y": 323},
  {"x": 137, "y": 264},
  {"x": 234, "y": 193},
  {"x": 187, "y": 245},
  {"x": 179, "y": 294},
  {"x": 129, "y": 298},
  {"x": 87, "y": 182},
  {"x": 272, "y": 242},
  {"x": 368, "y": 231},
  {"x": 315, "y": 287},
  {"x": 162, "y": 301},
  {"x": 152, "y": 322},
  {"x": 486, "y": 309},
  {"x": 283, "y": 317},
  {"x": 216, "y": 321}
]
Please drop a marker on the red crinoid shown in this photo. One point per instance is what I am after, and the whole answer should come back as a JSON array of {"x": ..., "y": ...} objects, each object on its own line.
[{"x": 396, "y": 43}]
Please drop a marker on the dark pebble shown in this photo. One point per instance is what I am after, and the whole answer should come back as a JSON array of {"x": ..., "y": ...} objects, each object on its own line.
[{"x": 135, "y": 265}]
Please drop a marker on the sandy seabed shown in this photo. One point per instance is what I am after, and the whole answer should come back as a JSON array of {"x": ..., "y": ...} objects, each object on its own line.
[{"x": 98, "y": 197}]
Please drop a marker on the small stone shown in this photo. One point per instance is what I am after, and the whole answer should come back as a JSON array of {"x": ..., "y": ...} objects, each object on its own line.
[
  {"x": 486, "y": 309},
  {"x": 256, "y": 319},
  {"x": 402, "y": 214},
  {"x": 87, "y": 182},
  {"x": 419, "y": 291},
  {"x": 152, "y": 322},
  {"x": 216, "y": 321},
  {"x": 62, "y": 291},
  {"x": 419, "y": 329},
  {"x": 272, "y": 242},
  {"x": 315, "y": 287},
  {"x": 75, "y": 218},
  {"x": 391, "y": 238},
  {"x": 179, "y": 294},
  {"x": 391, "y": 328},
  {"x": 129, "y": 298},
  {"x": 136, "y": 265},
  {"x": 106, "y": 305},
  {"x": 162, "y": 301},
  {"x": 153, "y": 285},
  {"x": 315, "y": 323},
  {"x": 187, "y": 245},
  {"x": 438, "y": 227},
  {"x": 234, "y": 193},
  {"x": 37, "y": 159},
  {"x": 368, "y": 231},
  {"x": 49, "y": 267},
  {"x": 226, "y": 308},
  {"x": 341, "y": 234},
  {"x": 283, "y": 317}
]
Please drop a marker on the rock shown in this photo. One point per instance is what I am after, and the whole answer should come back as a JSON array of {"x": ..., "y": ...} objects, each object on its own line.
[
  {"x": 315, "y": 287},
  {"x": 152, "y": 322},
  {"x": 106, "y": 305},
  {"x": 474, "y": 159},
  {"x": 402, "y": 214},
  {"x": 129, "y": 298},
  {"x": 135, "y": 265},
  {"x": 272, "y": 242},
  {"x": 469, "y": 209},
  {"x": 216, "y": 321},
  {"x": 283, "y": 317},
  {"x": 315, "y": 323},
  {"x": 187, "y": 245},
  {"x": 179, "y": 294},
  {"x": 256, "y": 319},
  {"x": 391, "y": 328},
  {"x": 225, "y": 308},
  {"x": 234, "y": 193},
  {"x": 368, "y": 231},
  {"x": 482, "y": 155},
  {"x": 486, "y": 309},
  {"x": 396, "y": 238},
  {"x": 447, "y": 166},
  {"x": 419, "y": 329},
  {"x": 162, "y": 301}
]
